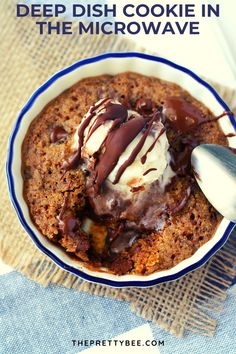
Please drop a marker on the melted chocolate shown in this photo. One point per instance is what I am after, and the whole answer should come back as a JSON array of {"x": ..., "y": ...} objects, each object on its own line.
[
  {"x": 109, "y": 111},
  {"x": 108, "y": 203},
  {"x": 74, "y": 159},
  {"x": 144, "y": 106},
  {"x": 68, "y": 223},
  {"x": 230, "y": 135},
  {"x": 72, "y": 162},
  {"x": 115, "y": 144},
  {"x": 144, "y": 157},
  {"x": 58, "y": 134},
  {"x": 137, "y": 148},
  {"x": 113, "y": 111},
  {"x": 120, "y": 135},
  {"x": 184, "y": 118},
  {"x": 148, "y": 171},
  {"x": 181, "y": 154},
  {"x": 181, "y": 115},
  {"x": 123, "y": 241},
  {"x": 148, "y": 209}
]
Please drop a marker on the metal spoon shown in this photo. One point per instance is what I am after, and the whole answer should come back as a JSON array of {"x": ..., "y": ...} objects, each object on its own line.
[{"x": 214, "y": 167}]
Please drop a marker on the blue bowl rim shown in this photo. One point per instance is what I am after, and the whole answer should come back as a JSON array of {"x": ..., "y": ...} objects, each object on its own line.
[{"x": 11, "y": 187}]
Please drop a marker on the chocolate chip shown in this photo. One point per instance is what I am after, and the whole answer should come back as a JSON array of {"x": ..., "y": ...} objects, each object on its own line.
[
  {"x": 144, "y": 106},
  {"x": 58, "y": 134},
  {"x": 123, "y": 241},
  {"x": 27, "y": 174}
]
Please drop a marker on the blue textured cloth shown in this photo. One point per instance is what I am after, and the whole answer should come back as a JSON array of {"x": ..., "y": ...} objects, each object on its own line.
[{"x": 38, "y": 320}]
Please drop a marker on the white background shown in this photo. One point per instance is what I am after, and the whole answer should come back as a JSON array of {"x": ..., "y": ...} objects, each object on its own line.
[{"x": 211, "y": 54}]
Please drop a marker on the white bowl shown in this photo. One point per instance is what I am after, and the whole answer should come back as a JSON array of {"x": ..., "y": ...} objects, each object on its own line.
[{"x": 112, "y": 63}]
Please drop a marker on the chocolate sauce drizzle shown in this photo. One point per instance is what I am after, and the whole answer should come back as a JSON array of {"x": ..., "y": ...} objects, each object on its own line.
[
  {"x": 68, "y": 223},
  {"x": 144, "y": 157},
  {"x": 138, "y": 147},
  {"x": 115, "y": 144},
  {"x": 230, "y": 135},
  {"x": 148, "y": 171},
  {"x": 113, "y": 111},
  {"x": 214, "y": 119},
  {"x": 74, "y": 159}
]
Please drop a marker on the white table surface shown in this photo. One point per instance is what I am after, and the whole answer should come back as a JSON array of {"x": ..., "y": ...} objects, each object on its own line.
[{"x": 212, "y": 53}]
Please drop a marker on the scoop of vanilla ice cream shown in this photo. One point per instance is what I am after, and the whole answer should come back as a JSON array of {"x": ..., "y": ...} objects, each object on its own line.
[
  {"x": 156, "y": 166},
  {"x": 138, "y": 174},
  {"x": 94, "y": 143}
]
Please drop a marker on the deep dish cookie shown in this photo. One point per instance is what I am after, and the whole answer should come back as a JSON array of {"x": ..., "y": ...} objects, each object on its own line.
[{"x": 107, "y": 173}]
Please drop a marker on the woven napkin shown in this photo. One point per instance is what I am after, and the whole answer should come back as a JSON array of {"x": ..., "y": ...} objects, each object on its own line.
[{"x": 26, "y": 61}]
